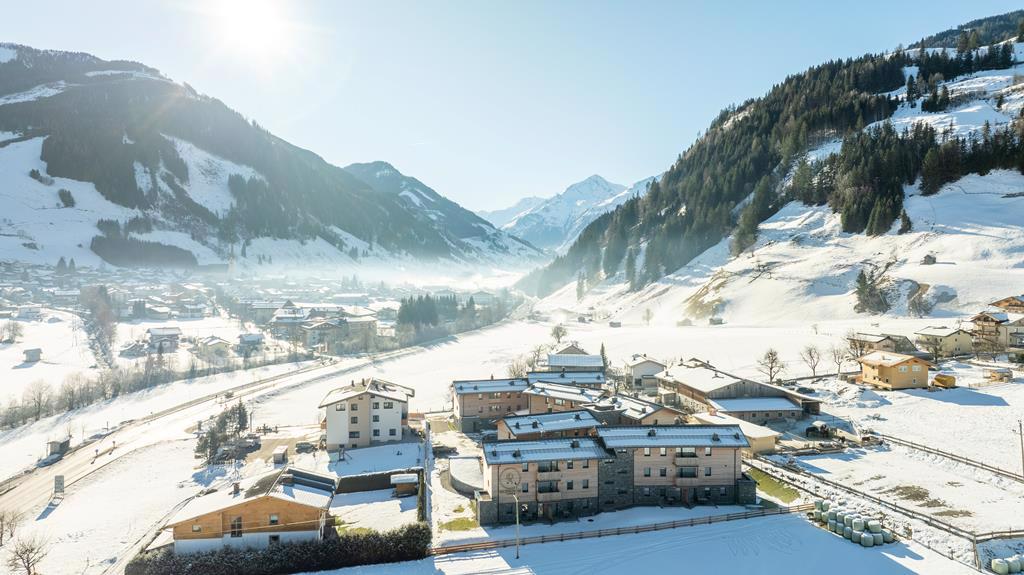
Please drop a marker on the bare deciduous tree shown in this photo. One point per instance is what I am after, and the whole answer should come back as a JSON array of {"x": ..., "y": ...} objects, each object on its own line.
[
  {"x": 811, "y": 356},
  {"x": 26, "y": 554},
  {"x": 9, "y": 523},
  {"x": 516, "y": 368},
  {"x": 535, "y": 356},
  {"x": 839, "y": 356},
  {"x": 857, "y": 347},
  {"x": 558, "y": 333},
  {"x": 771, "y": 365},
  {"x": 37, "y": 397},
  {"x": 648, "y": 316}
]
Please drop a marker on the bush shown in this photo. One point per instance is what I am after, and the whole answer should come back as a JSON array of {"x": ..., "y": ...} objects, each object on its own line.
[
  {"x": 406, "y": 543},
  {"x": 66, "y": 198}
]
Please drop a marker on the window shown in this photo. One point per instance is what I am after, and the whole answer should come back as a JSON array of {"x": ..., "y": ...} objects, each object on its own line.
[
  {"x": 918, "y": 367},
  {"x": 707, "y": 472},
  {"x": 586, "y": 502},
  {"x": 585, "y": 484},
  {"x": 526, "y": 467},
  {"x": 525, "y": 487},
  {"x": 391, "y": 432},
  {"x": 903, "y": 369},
  {"x": 663, "y": 452},
  {"x": 376, "y": 433},
  {"x": 647, "y": 491},
  {"x": 586, "y": 464},
  {"x": 389, "y": 405},
  {"x": 339, "y": 407},
  {"x": 647, "y": 471},
  {"x": 479, "y": 396},
  {"x": 722, "y": 491},
  {"x": 376, "y": 405},
  {"x": 273, "y": 539},
  {"x": 647, "y": 451},
  {"x": 687, "y": 472},
  {"x": 686, "y": 452},
  {"x": 197, "y": 528},
  {"x": 707, "y": 451},
  {"x": 663, "y": 472},
  {"x": 568, "y": 485},
  {"x": 354, "y": 419},
  {"x": 375, "y": 418},
  {"x": 353, "y": 435},
  {"x": 236, "y": 527},
  {"x": 355, "y": 407},
  {"x": 707, "y": 493},
  {"x": 568, "y": 464},
  {"x": 273, "y": 519}
]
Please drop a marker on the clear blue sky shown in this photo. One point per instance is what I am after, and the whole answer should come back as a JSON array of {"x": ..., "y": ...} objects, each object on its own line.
[{"x": 484, "y": 101}]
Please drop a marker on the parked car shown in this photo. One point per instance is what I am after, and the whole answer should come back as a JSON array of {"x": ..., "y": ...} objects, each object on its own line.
[
  {"x": 303, "y": 446},
  {"x": 804, "y": 390},
  {"x": 443, "y": 450}
]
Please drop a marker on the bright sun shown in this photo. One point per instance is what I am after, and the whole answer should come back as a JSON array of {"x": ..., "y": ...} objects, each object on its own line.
[{"x": 252, "y": 28}]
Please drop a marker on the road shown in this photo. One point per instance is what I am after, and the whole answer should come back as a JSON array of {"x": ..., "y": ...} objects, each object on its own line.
[{"x": 33, "y": 491}]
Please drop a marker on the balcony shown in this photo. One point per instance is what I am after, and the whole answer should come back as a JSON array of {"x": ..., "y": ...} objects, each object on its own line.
[
  {"x": 549, "y": 495},
  {"x": 686, "y": 461},
  {"x": 552, "y": 475}
]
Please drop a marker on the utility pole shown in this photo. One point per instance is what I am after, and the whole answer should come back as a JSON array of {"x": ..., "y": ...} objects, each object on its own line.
[{"x": 1020, "y": 434}]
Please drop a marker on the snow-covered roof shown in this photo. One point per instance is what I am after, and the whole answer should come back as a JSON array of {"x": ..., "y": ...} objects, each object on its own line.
[
  {"x": 488, "y": 385},
  {"x": 628, "y": 406},
  {"x": 886, "y": 358},
  {"x": 697, "y": 376},
  {"x": 163, "y": 331},
  {"x": 642, "y": 359},
  {"x": 551, "y": 422},
  {"x": 558, "y": 360},
  {"x": 751, "y": 430},
  {"x": 673, "y": 436},
  {"x": 375, "y": 387},
  {"x": 288, "y": 483},
  {"x": 575, "y": 448},
  {"x": 939, "y": 331},
  {"x": 753, "y": 404},
  {"x": 869, "y": 337},
  {"x": 568, "y": 377},
  {"x": 560, "y": 391}
]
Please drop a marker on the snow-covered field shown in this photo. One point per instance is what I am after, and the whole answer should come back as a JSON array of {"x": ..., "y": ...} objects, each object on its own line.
[
  {"x": 65, "y": 352},
  {"x": 755, "y": 546},
  {"x": 377, "y": 510},
  {"x": 111, "y": 509},
  {"x": 224, "y": 327}
]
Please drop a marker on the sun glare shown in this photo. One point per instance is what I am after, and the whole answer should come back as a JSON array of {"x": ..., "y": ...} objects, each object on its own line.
[{"x": 252, "y": 28}]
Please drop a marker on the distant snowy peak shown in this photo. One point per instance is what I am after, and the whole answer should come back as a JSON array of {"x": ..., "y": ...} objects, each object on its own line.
[
  {"x": 555, "y": 223},
  {"x": 505, "y": 215}
]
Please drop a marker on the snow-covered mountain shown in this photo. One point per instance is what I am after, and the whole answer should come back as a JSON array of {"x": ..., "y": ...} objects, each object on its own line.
[
  {"x": 433, "y": 208},
  {"x": 110, "y": 161},
  {"x": 505, "y": 215},
  {"x": 964, "y": 250},
  {"x": 555, "y": 223}
]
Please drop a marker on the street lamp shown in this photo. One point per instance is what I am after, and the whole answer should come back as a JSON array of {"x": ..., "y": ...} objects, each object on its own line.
[{"x": 509, "y": 485}]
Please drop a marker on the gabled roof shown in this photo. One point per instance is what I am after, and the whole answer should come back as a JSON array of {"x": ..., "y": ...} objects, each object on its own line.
[
  {"x": 753, "y": 404},
  {"x": 557, "y": 360},
  {"x": 869, "y": 337},
  {"x": 697, "y": 375},
  {"x": 566, "y": 392},
  {"x": 939, "y": 331},
  {"x": 575, "y": 448},
  {"x": 641, "y": 359},
  {"x": 887, "y": 358},
  {"x": 631, "y": 407},
  {"x": 163, "y": 331},
  {"x": 375, "y": 387},
  {"x": 464, "y": 386},
  {"x": 672, "y": 436},
  {"x": 551, "y": 422},
  {"x": 299, "y": 486},
  {"x": 568, "y": 377}
]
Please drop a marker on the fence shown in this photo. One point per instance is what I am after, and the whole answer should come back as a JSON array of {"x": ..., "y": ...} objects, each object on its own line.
[
  {"x": 958, "y": 458},
  {"x": 497, "y": 544}
]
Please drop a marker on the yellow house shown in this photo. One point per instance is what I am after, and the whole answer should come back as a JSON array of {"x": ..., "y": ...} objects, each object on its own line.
[{"x": 890, "y": 370}]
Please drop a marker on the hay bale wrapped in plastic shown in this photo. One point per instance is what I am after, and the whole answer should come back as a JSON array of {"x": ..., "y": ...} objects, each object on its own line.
[
  {"x": 847, "y": 532},
  {"x": 878, "y": 537},
  {"x": 855, "y": 536},
  {"x": 875, "y": 526},
  {"x": 1000, "y": 566},
  {"x": 887, "y": 536},
  {"x": 867, "y": 540}
]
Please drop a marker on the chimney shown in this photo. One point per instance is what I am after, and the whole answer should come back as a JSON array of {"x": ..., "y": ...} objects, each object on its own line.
[
  {"x": 235, "y": 488},
  {"x": 492, "y": 376},
  {"x": 535, "y": 424},
  {"x": 575, "y": 443},
  {"x": 652, "y": 432}
]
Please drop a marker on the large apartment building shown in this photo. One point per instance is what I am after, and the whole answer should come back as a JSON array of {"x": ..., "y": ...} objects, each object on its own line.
[
  {"x": 480, "y": 403},
  {"x": 366, "y": 412},
  {"x": 621, "y": 467}
]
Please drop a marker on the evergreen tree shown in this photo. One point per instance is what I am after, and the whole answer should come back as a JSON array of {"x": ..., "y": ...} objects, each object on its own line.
[
  {"x": 631, "y": 268},
  {"x": 62, "y": 266},
  {"x": 71, "y": 266},
  {"x": 905, "y": 223},
  {"x": 581, "y": 285}
]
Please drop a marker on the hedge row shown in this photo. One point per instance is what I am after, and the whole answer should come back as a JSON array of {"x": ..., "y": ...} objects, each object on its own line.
[{"x": 405, "y": 543}]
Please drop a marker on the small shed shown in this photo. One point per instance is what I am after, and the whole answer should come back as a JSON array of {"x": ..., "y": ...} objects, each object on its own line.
[
  {"x": 405, "y": 484},
  {"x": 61, "y": 446},
  {"x": 280, "y": 454},
  {"x": 33, "y": 355}
]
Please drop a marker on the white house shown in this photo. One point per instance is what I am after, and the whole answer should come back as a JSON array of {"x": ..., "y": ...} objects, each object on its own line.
[
  {"x": 640, "y": 367},
  {"x": 365, "y": 412}
]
